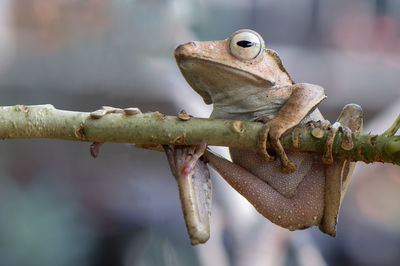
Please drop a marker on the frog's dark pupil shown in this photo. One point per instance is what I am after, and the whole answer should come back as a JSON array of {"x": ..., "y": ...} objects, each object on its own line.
[{"x": 245, "y": 44}]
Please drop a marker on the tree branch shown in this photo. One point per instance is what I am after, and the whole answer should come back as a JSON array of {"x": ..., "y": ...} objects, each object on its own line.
[{"x": 45, "y": 121}]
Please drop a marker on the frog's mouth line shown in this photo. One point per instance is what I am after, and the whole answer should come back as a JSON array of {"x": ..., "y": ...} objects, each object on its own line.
[{"x": 185, "y": 63}]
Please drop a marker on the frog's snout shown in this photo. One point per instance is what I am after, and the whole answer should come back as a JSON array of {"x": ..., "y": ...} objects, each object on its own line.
[{"x": 186, "y": 49}]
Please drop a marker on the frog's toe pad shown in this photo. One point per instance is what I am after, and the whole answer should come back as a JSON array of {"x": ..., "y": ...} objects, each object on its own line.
[
  {"x": 347, "y": 141},
  {"x": 95, "y": 148},
  {"x": 288, "y": 168}
]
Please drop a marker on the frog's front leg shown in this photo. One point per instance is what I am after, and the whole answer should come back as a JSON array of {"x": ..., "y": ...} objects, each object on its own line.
[
  {"x": 95, "y": 146},
  {"x": 302, "y": 101},
  {"x": 194, "y": 184}
]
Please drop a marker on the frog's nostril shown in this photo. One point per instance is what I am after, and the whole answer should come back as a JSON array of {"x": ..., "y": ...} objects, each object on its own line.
[
  {"x": 179, "y": 48},
  {"x": 194, "y": 44},
  {"x": 185, "y": 49}
]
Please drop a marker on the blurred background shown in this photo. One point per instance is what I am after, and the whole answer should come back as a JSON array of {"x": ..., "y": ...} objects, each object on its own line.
[{"x": 59, "y": 206}]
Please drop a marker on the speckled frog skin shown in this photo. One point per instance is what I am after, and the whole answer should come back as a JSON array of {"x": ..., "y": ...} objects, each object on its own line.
[{"x": 245, "y": 81}]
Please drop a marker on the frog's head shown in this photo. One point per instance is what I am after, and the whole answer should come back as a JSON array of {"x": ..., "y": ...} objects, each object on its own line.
[{"x": 218, "y": 69}]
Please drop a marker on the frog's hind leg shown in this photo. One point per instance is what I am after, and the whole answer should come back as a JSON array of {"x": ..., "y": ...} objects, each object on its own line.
[
  {"x": 338, "y": 174},
  {"x": 194, "y": 184},
  {"x": 298, "y": 209}
]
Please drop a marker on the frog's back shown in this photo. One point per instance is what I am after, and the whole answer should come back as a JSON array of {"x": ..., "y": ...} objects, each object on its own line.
[{"x": 284, "y": 76}]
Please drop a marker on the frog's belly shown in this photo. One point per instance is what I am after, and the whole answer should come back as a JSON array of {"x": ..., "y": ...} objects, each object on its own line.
[
  {"x": 270, "y": 172},
  {"x": 286, "y": 184}
]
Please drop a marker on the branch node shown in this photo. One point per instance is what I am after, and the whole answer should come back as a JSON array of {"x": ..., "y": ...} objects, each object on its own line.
[
  {"x": 180, "y": 140},
  {"x": 183, "y": 115},
  {"x": 22, "y": 107},
  {"x": 318, "y": 132},
  {"x": 238, "y": 126},
  {"x": 79, "y": 132},
  {"x": 372, "y": 140}
]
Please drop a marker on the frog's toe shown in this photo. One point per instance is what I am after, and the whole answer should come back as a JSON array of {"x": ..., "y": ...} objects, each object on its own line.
[
  {"x": 262, "y": 144},
  {"x": 327, "y": 158},
  {"x": 352, "y": 123},
  {"x": 351, "y": 117},
  {"x": 95, "y": 148},
  {"x": 347, "y": 141},
  {"x": 288, "y": 168},
  {"x": 325, "y": 124}
]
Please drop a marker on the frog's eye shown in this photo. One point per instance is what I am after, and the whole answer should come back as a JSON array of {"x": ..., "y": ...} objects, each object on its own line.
[{"x": 245, "y": 45}]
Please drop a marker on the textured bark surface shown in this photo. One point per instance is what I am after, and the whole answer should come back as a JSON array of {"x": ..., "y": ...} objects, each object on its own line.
[{"x": 45, "y": 121}]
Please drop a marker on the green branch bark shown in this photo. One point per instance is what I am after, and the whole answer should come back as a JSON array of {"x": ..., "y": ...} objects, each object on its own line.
[{"x": 45, "y": 121}]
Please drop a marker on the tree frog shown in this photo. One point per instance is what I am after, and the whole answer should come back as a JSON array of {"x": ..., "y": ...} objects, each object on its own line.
[{"x": 245, "y": 81}]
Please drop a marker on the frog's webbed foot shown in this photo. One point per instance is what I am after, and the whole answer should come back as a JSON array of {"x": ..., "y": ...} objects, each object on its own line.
[
  {"x": 348, "y": 123},
  {"x": 347, "y": 141},
  {"x": 95, "y": 146},
  {"x": 327, "y": 158},
  {"x": 318, "y": 132},
  {"x": 274, "y": 132},
  {"x": 194, "y": 183}
]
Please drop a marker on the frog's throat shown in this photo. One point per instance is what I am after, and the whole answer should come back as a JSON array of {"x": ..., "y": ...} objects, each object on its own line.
[
  {"x": 247, "y": 104},
  {"x": 219, "y": 83}
]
